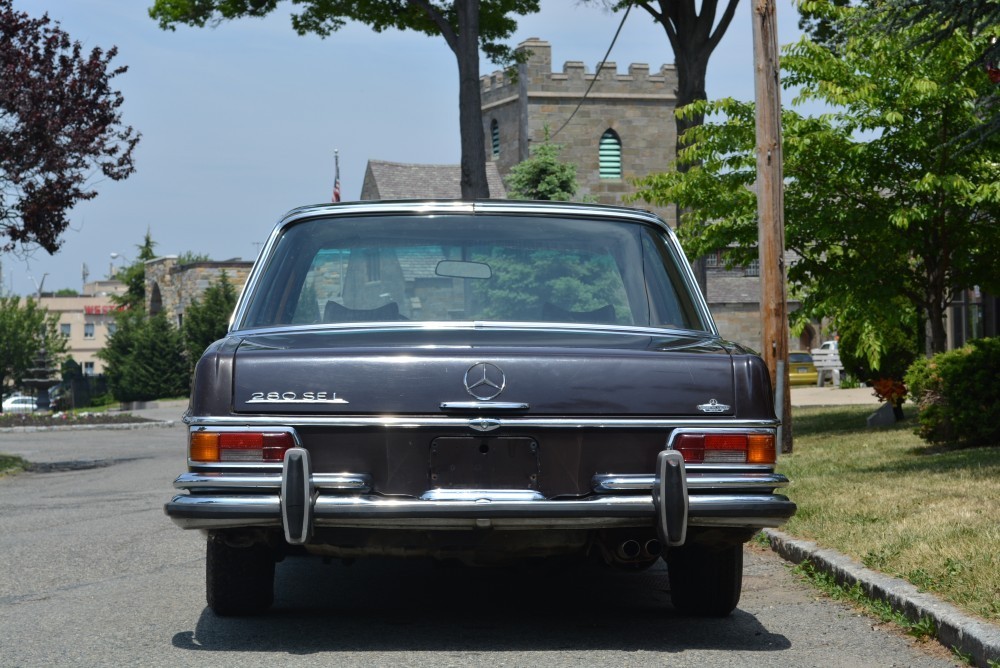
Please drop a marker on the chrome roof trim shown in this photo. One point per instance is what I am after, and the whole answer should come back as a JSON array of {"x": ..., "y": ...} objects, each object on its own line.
[{"x": 442, "y": 207}]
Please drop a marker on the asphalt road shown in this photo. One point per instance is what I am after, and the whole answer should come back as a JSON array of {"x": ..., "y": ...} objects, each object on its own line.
[{"x": 94, "y": 574}]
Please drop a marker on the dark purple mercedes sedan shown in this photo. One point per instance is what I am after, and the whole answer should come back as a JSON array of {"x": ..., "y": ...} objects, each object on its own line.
[{"x": 482, "y": 381}]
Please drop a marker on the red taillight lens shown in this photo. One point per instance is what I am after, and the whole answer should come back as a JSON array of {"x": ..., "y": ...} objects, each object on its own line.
[
  {"x": 239, "y": 446},
  {"x": 726, "y": 448}
]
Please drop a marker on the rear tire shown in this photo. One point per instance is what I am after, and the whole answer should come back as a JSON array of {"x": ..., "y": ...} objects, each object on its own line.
[
  {"x": 705, "y": 582},
  {"x": 238, "y": 580}
]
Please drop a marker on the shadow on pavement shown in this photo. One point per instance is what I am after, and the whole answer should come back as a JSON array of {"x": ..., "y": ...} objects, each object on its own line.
[{"x": 400, "y": 606}]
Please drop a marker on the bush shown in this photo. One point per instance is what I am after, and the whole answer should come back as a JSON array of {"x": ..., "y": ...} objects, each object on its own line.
[{"x": 958, "y": 394}]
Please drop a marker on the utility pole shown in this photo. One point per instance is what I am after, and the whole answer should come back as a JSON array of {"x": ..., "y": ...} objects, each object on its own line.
[{"x": 771, "y": 208}]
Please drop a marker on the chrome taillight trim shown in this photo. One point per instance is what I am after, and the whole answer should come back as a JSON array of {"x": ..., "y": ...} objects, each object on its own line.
[{"x": 270, "y": 428}]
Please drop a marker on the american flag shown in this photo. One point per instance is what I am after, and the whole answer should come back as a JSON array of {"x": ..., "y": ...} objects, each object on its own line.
[{"x": 336, "y": 177}]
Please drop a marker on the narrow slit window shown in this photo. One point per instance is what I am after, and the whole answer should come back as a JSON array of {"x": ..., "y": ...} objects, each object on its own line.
[
  {"x": 610, "y": 155},
  {"x": 495, "y": 137}
]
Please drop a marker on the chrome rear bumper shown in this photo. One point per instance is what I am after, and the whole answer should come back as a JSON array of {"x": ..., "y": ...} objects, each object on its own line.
[{"x": 218, "y": 501}]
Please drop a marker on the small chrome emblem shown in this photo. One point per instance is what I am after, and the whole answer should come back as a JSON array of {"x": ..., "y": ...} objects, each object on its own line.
[
  {"x": 484, "y": 381},
  {"x": 484, "y": 424},
  {"x": 295, "y": 398},
  {"x": 713, "y": 406}
]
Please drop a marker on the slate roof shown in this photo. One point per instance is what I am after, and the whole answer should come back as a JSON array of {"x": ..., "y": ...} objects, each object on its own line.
[{"x": 395, "y": 180}]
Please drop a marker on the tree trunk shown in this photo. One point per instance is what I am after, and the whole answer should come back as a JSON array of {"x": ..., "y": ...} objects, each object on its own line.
[
  {"x": 691, "y": 71},
  {"x": 939, "y": 335},
  {"x": 470, "y": 113}
]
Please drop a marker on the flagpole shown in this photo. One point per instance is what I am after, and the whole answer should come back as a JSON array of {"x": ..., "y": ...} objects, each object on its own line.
[{"x": 336, "y": 175}]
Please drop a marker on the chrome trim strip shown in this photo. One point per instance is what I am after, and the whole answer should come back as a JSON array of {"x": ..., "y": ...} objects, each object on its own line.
[
  {"x": 483, "y": 406},
  {"x": 730, "y": 510},
  {"x": 481, "y": 495},
  {"x": 360, "y": 483},
  {"x": 609, "y": 483},
  {"x": 510, "y": 422}
]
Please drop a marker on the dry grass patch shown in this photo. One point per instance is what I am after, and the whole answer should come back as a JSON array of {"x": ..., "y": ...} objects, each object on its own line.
[{"x": 883, "y": 496}]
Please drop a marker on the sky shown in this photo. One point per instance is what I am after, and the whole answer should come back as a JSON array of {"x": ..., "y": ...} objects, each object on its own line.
[{"x": 240, "y": 122}]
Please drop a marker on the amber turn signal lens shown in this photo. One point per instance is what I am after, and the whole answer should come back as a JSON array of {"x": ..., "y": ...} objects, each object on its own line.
[
  {"x": 204, "y": 446},
  {"x": 760, "y": 449}
]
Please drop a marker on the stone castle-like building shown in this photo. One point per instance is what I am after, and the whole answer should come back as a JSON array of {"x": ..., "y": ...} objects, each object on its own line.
[{"x": 623, "y": 129}]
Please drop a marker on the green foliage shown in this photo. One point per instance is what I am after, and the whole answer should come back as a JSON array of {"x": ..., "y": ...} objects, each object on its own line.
[
  {"x": 134, "y": 277},
  {"x": 571, "y": 281},
  {"x": 325, "y": 17},
  {"x": 24, "y": 328},
  {"x": 543, "y": 176},
  {"x": 207, "y": 320},
  {"x": 879, "y": 344},
  {"x": 145, "y": 358},
  {"x": 878, "y": 206},
  {"x": 66, "y": 292},
  {"x": 190, "y": 257},
  {"x": 958, "y": 395}
]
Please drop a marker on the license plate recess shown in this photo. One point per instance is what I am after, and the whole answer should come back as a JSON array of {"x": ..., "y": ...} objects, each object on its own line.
[{"x": 463, "y": 462}]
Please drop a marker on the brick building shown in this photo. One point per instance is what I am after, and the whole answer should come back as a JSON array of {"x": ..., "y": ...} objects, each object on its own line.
[{"x": 86, "y": 321}]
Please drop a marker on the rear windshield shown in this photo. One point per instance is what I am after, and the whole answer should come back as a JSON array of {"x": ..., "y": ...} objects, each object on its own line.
[{"x": 472, "y": 268}]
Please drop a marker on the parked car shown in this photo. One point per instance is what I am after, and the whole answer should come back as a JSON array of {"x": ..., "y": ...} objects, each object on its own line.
[
  {"x": 801, "y": 368},
  {"x": 829, "y": 345},
  {"x": 484, "y": 381},
  {"x": 20, "y": 403}
]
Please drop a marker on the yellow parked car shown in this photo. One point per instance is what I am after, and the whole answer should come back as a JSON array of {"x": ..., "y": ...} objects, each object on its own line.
[{"x": 801, "y": 370}]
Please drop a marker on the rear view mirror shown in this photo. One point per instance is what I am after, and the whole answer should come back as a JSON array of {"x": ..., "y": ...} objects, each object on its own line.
[{"x": 458, "y": 269}]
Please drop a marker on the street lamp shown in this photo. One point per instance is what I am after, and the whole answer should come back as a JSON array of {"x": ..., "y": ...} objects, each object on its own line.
[{"x": 111, "y": 265}]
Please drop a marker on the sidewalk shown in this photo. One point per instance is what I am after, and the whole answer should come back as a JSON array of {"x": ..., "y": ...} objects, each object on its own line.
[
  {"x": 163, "y": 410},
  {"x": 810, "y": 395}
]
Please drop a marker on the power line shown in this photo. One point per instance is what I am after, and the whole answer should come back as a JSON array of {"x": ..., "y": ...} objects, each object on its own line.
[{"x": 596, "y": 74}]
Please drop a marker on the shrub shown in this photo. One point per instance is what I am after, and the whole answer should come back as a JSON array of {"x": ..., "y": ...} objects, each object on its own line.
[{"x": 958, "y": 394}]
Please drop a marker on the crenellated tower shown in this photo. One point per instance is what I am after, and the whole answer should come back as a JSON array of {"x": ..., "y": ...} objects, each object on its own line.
[{"x": 624, "y": 129}]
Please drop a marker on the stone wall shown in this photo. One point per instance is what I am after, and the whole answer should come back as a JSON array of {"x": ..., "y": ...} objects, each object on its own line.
[
  {"x": 171, "y": 287},
  {"x": 637, "y": 105}
]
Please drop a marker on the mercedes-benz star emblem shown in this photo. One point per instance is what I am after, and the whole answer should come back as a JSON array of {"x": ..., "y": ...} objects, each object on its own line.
[{"x": 484, "y": 381}]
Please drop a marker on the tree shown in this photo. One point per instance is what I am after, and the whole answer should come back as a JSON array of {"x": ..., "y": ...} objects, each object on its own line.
[
  {"x": 466, "y": 26},
  {"x": 693, "y": 36},
  {"x": 145, "y": 358},
  {"x": 60, "y": 123},
  {"x": 134, "y": 278},
  {"x": 940, "y": 19},
  {"x": 878, "y": 204},
  {"x": 543, "y": 176},
  {"x": 207, "y": 320},
  {"x": 24, "y": 328}
]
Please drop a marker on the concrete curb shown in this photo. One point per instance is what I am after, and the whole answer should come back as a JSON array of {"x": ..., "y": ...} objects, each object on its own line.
[
  {"x": 955, "y": 629},
  {"x": 80, "y": 427}
]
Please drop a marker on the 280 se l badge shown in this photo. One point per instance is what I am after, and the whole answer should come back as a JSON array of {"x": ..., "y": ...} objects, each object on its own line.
[{"x": 483, "y": 381}]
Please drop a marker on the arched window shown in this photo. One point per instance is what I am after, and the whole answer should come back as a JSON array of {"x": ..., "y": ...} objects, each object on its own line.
[
  {"x": 495, "y": 137},
  {"x": 610, "y": 155},
  {"x": 155, "y": 300}
]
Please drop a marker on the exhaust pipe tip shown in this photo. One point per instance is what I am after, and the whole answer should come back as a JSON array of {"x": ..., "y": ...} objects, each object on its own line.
[
  {"x": 630, "y": 549},
  {"x": 653, "y": 548}
]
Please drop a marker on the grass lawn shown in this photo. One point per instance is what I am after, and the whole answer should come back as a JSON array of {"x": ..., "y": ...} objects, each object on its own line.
[{"x": 930, "y": 515}]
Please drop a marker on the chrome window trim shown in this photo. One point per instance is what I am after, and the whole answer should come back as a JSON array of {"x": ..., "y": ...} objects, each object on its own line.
[{"x": 494, "y": 207}]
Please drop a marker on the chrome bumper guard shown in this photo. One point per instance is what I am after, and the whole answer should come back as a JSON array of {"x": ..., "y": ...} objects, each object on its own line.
[{"x": 299, "y": 500}]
